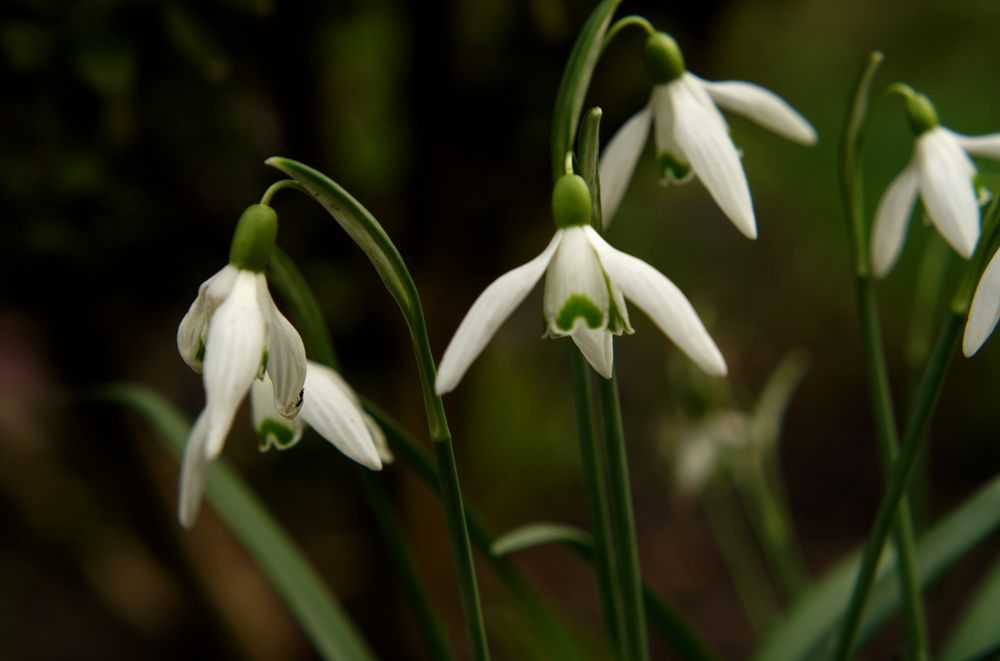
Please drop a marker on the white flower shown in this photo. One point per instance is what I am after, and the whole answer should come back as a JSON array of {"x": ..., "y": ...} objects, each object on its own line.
[
  {"x": 692, "y": 137},
  {"x": 985, "y": 310},
  {"x": 586, "y": 284},
  {"x": 329, "y": 406},
  {"x": 701, "y": 448},
  {"x": 944, "y": 176}
]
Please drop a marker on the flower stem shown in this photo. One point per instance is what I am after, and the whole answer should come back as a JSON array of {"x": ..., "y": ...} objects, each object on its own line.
[
  {"x": 593, "y": 484},
  {"x": 623, "y": 522},
  {"x": 878, "y": 378},
  {"x": 624, "y": 22},
  {"x": 902, "y": 469}
]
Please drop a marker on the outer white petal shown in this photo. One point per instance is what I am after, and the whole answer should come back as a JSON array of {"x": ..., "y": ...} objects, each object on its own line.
[
  {"x": 233, "y": 353},
  {"x": 194, "y": 467},
  {"x": 985, "y": 311},
  {"x": 286, "y": 355},
  {"x": 378, "y": 437},
  {"x": 483, "y": 319},
  {"x": 663, "y": 302},
  {"x": 574, "y": 271},
  {"x": 892, "y": 218},
  {"x": 762, "y": 106},
  {"x": 273, "y": 429},
  {"x": 596, "y": 345},
  {"x": 194, "y": 326},
  {"x": 704, "y": 138},
  {"x": 619, "y": 159},
  {"x": 947, "y": 190},
  {"x": 986, "y": 146},
  {"x": 331, "y": 410}
]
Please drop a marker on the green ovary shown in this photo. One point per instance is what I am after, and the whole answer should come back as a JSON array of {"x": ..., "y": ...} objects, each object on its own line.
[{"x": 578, "y": 305}]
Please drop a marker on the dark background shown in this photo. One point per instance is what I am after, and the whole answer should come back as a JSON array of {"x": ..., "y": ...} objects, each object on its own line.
[{"x": 132, "y": 135}]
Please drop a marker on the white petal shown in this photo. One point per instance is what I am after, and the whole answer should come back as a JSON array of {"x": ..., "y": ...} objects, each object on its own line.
[
  {"x": 273, "y": 429},
  {"x": 762, "y": 106},
  {"x": 986, "y": 146},
  {"x": 596, "y": 346},
  {"x": 378, "y": 436},
  {"x": 194, "y": 467},
  {"x": 704, "y": 138},
  {"x": 286, "y": 356},
  {"x": 574, "y": 282},
  {"x": 193, "y": 327},
  {"x": 985, "y": 311},
  {"x": 947, "y": 190},
  {"x": 332, "y": 412},
  {"x": 619, "y": 159},
  {"x": 891, "y": 220},
  {"x": 233, "y": 354},
  {"x": 485, "y": 316},
  {"x": 663, "y": 302},
  {"x": 666, "y": 145}
]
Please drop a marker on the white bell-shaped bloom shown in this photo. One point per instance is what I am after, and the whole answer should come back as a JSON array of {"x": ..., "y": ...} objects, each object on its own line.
[
  {"x": 586, "y": 284},
  {"x": 985, "y": 310},
  {"x": 943, "y": 175},
  {"x": 691, "y": 135},
  {"x": 234, "y": 334}
]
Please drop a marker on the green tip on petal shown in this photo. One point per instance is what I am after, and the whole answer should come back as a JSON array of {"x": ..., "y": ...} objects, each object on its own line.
[
  {"x": 672, "y": 168},
  {"x": 571, "y": 201},
  {"x": 920, "y": 113},
  {"x": 254, "y": 237},
  {"x": 575, "y": 306},
  {"x": 663, "y": 59},
  {"x": 274, "y": 433}
]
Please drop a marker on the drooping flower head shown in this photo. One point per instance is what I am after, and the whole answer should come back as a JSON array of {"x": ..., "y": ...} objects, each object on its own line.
[
  {"x": 945, "y": 178},
  {"x": 691, "y": 135},
  {"x": 234, "y": 334},
  {"x": 586, "y": 284}
]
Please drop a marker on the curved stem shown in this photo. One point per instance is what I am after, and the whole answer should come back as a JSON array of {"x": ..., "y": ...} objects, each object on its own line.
[
  {"x": 265, "y": 199},
  {"x": 624, "y": 22},
  {"x": 878, "y": 378},
  {"x": 623, "y": 522},
  {"x": 366, "y": 231},
  {"x": 594, "y": 492}
]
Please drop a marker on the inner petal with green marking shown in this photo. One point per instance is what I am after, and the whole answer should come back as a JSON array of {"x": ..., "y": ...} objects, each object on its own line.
[
  {"x": 577, "y": 306},
  {"x": 275, "y": 433},
  {"x": 672, "y": 168}
]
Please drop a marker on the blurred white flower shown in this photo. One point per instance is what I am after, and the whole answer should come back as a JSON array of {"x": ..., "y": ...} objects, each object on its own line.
[
  {"x": 692, "y": 137},
  {"x": 944, "y": 176},
  {"x": 586, "y": 284},
  {"x": 985, "y": 310}
]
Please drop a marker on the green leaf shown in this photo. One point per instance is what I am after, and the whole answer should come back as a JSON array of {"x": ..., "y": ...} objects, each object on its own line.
[
  {"x": 810, "y": 629},
  {"x": 539, "y": 534},
  {"x": 977, "y": 635},
  {"x": 317, "y": 611},
  {"x": 576, "y": 81},
  {"x": 361, "y": 226}
]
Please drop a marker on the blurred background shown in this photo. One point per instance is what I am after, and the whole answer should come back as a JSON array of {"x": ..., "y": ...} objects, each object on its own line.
[{"x": 132, "y": 135}]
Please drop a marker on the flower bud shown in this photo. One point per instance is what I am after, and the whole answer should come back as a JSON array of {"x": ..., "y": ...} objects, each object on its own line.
[
  {"x": 571, "y": 204},
  {"x": 663, "y": 59},
  {"x": 920, "y": 113},
  {"x": 253, "y": 239}
]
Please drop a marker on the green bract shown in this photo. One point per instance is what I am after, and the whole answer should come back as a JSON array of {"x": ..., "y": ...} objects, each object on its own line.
[
  {"x": 571, "y": 201},
  {"x": 920, "y": 113},
  {"x": 663, "y": 59},
  {"x": 253, "y": 239}
]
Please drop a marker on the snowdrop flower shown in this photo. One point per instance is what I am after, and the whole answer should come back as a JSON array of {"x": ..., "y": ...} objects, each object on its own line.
[
  {"x": 945, "y": 178},
  {"x": 692, "y": 137},
  {"x": 233, "y": 334},
  {"x": 329, "y": 406},
  {"x": 586, "y": 284},
  {"x": 703, "y": 448},
  {"x": 985, "y": 310}
]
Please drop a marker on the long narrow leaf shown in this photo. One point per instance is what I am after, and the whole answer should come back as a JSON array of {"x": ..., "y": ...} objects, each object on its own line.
[
  {"x": 576, "y": 81},
  {"x": 977, "y": 635},
  {"x": 807, "y": 631},
  {"x": 317, "y": 611},
  {"x": 540, "y": 534}
]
